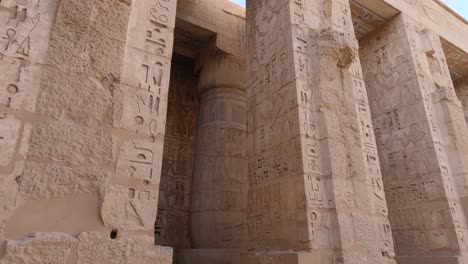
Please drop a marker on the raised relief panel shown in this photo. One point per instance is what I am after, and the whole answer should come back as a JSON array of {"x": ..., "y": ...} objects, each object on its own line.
[
  {"x": 140, "y": 160},
  {"x": 177, "y": 168},
  {"x": 143, "y": 106},
  {"x": 157, "y": 18},
  {"x": 129, "y": 208},
  {"x": 142, "y": 113},
  {"x": 403, "y": 69},
  {"x": 21, "y": 27}
]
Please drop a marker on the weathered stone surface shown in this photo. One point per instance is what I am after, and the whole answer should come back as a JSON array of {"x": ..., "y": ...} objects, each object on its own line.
[
  {"x": 68, "y": 162},
  {"x": 41, "y": 248},
  {"x": 172, "y": 228},
  {"x": 307, "y": 96},
  {"x": 53, "y": 215},
  {"x": 419, "y": 123},
  {"x": 129, "y": 209},
  {"x": 10, "y": 133},
  {"x": 109, "y": 144},
  {"x": 94, "y": 248},
  {"x": 139, "y": 160},
  {"x": 70, "y": 144},
  {"x": 49, "y": 181}
]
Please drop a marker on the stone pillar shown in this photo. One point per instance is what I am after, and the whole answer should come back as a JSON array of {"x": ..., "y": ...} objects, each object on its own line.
[
  {"x": 219, "y": 189},
  {"x": 82, "y": 123},
  {"x": 314, "y": 173},
  {"x": 422, "y": 141},
  {"x": 461, "y": 88}
]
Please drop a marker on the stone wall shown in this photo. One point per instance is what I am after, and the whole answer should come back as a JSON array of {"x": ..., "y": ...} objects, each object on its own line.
[
  {"x": 178, "y": 160},
  {"x": 83, "y": 114},
  {"x": 102, "y": 154}
]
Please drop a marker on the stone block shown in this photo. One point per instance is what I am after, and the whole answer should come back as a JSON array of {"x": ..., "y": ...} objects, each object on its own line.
[
  {"x": 127, "y": 208},
  {"x": 39, "y": 248},
  {"x": 70, "y": 144},
  {"x": 95, "y": 248}
]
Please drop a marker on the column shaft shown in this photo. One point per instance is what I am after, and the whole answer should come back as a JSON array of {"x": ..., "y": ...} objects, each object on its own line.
[
  {"x": 314, "y": 173},
  {"x": 422, "y": 141},
  {"x": 219, "y": 189}
]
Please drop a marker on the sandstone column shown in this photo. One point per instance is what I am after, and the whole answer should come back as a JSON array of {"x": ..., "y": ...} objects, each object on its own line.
[
  {"x": 422, "y": 141},
  {"x": 314, "y": 173},
  {"x": 219, "y": 189},
  {"x": 83, "y": 117}
]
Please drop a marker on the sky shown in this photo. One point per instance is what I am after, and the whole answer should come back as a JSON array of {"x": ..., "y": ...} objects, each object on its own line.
[{"x": 460, "y": 6}]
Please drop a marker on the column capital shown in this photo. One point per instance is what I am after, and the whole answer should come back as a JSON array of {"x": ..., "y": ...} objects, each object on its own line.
[{"x": 219, "y": 69}]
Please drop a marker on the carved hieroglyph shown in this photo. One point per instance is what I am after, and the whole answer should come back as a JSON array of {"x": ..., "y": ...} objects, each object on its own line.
[
  {"x": 217, "y": 213},
  {"x": 171, "y": 227},
  {"x": 219, "y": 194},
  {"x": 422, "y": 142},
  {"x": 83, "y": 97},
  {"x": 315, "y": 182}
]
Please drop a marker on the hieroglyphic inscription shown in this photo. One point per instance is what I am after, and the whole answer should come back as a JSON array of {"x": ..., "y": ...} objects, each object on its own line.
[
  {"x": 274, "y": 150},
  {"x": 19, "y": 20},
  {"x": 179, "y": 150},
  {"x": 147, "y": 67},
  {"x": 414, "y": 163},
  {"x": 219, "y": 180},
  {"x": 129, "y": 208},
  {"x": 425, "y": 9},
  {"x": 142, "y": 109}
]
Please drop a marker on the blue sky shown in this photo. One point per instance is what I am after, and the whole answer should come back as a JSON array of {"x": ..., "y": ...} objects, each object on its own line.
[
  {"x": 460, "y": 6},
  {"x": 239, "y": 2}
]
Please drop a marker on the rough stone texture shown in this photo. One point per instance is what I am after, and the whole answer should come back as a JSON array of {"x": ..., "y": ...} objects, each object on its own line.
[
  {"x": 420, "y": 130},
  {"x": 109, "y": 144},
  {"x": 41, "y": 248},
  {"x": 219, "y": 195},
  {"x": 77, "y": 168},
  {"x": 93, "y": 248},
  {"x": 314, "y": 170}
]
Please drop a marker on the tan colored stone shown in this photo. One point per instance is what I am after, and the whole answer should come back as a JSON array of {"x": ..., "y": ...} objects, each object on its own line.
[
  {"x": 94, "y": 248},
  {"x": 42, "y": 248},
  {"x": 48, "y": 181},
  {"x": 129, "y": 209},
  {"x": 421, "y": 160},
  {"x": 10, "y": 133},
  {"x": 70, "y": 144},
  {"x": 233, "y": 135}
]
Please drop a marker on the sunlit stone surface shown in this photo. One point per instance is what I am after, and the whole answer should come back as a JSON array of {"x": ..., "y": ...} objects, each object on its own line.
[{"x": 200, "y": 132}]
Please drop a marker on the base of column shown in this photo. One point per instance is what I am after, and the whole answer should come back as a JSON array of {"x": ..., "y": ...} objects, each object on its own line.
[
  {"x": 86, "y": 248},
  {"x": 223, "y": 256},
  {"x": 431, "y": 260}
]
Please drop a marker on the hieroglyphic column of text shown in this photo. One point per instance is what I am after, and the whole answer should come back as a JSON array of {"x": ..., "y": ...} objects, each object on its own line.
[
  {"x": 419, "y": 125},
  {"x": 314, "y": 172}
]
